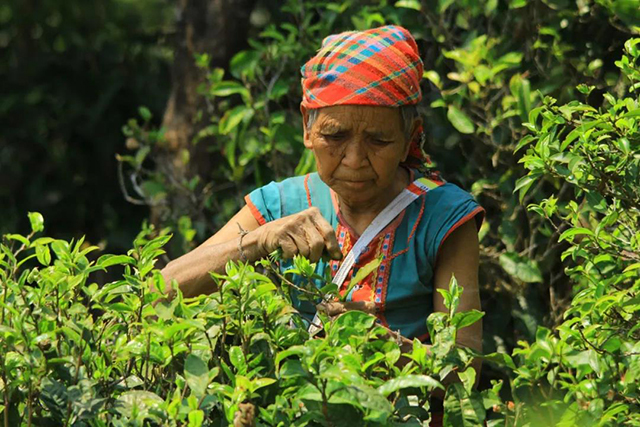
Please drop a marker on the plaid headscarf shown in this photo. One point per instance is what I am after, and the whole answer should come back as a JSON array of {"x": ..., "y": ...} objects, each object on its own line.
[{"x": 380, "y": 67}]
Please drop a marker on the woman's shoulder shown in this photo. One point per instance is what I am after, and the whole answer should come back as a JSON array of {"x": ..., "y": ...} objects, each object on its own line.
[
  {"x": 447, "y": 192},
  {"x": 444, "y": 208},
  {"x": 435, "y": 188}
]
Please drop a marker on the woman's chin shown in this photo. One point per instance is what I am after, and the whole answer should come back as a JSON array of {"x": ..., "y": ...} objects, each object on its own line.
[
  {"x": 356, "y": 192},
  {"x": 358, "y": 186}
]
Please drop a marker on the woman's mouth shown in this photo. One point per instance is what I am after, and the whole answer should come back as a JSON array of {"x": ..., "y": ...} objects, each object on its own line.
[{"x": 356, "y": 184}]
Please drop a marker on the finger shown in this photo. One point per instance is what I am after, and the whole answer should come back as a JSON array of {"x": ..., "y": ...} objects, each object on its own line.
[
  {"x": 366, "y": 306},
  {"x": 334, "y": 308},
  {"x": 301, "y": 243},
  {"x": 329, "y": 237},
  {"x": 316, "y": 243},
  {"x": 289, "y": 248}
]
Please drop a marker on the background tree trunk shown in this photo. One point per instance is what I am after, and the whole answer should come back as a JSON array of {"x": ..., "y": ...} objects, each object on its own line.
[{"x": 218, "y": 28}]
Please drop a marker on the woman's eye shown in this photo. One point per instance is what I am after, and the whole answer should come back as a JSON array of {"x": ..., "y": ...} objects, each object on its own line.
[
  {"x": 382, "y": 141},
  {"x": 334, "y": 137}
]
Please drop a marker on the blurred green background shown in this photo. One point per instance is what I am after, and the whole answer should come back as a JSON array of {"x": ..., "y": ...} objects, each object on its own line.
[{"x": 73, "y": 72}]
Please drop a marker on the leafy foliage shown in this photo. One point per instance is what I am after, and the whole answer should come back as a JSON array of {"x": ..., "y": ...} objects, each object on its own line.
[
  {"x": 74, "y": 353},
  {"x": 586, "y": 372}
]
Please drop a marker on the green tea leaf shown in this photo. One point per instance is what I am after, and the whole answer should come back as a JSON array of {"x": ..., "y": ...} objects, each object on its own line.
[
  {"x": 37, "y": 221},
  {"x": 43, "y": 254},
  {"x": 463, "y": 409},
  {"x": 466, "y": 318},
  {"x": 460, "y": 120},
  {"x": 408, "y": 381},
  {"x": 233, "y": 117},
  {"x": 196, "y": 373},
  {"x": 522, "y": 268},
  {"x": 110, "y": 260},
  {"x": 196, "y": 418}
]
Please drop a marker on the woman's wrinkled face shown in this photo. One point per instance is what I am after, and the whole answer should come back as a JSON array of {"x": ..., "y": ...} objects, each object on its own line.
[{"x": 358, "y": 149}]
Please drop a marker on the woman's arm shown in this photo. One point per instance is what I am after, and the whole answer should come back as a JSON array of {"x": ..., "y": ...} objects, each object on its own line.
[
  {"x": 191, "y": 270},
  {"x": 306, "y": 233},
  {"x": 458, "y": 256}
]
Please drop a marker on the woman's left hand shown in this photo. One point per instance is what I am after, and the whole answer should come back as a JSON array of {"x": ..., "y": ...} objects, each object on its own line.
[{"x": 336, "y": 308}]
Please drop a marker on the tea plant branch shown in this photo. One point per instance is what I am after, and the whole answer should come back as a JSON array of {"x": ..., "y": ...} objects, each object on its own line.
[
  {"x": 147, "y": 358},
  {"x": 599, "y": 350},
  {"x": 123, "y": 188},
  {"x": 30, "y": 405},
  {"x": 294, "y": 286},
  {"x": 325, "y": 401},
  {"x": 5, "y": 384},
  {"x": 212, "y": 348},
  {"x": 12, "y": 272},
  {"x": 76, "y": 375}
]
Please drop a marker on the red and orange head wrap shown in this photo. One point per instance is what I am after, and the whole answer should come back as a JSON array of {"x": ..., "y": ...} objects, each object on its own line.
[{"x": 380, "y": 67}]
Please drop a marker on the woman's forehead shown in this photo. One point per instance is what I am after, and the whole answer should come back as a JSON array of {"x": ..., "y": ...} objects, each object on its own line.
[{"x": 363, "y": 117}]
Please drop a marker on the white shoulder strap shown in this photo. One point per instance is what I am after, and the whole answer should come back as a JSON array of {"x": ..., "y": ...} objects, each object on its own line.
[{"x": 383, "y": 219}]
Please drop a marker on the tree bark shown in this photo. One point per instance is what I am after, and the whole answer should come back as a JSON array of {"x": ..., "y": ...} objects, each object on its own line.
[{"x": 218, "y": 28}]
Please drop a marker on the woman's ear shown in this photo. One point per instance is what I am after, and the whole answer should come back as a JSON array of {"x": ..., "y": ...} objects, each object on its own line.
[
  {"x": 416, "y": 128},
  {"x": 305, "y": 132}
]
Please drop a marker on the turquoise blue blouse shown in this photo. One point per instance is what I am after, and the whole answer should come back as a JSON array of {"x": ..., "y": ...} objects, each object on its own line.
[{"x": 402, "y": 286}]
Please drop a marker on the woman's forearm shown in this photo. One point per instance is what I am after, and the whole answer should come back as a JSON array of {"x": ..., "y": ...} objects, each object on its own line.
[{"x": 191, "y": 270}]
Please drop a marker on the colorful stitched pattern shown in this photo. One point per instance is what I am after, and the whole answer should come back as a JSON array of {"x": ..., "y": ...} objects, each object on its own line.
[
  {"x": 380, "y": 66},
  {"x": 374, "y": 286}
]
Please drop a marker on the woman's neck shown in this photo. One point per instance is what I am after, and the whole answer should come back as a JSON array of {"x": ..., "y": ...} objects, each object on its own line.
[{"x": 359, "y": 215}]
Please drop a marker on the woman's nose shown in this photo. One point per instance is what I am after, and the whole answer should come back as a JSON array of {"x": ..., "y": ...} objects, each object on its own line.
[{"x": 355, "y": 155}]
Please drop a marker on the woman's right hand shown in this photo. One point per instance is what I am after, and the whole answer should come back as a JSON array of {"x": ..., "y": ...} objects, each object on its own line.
[{"x": 306, "y": 233}]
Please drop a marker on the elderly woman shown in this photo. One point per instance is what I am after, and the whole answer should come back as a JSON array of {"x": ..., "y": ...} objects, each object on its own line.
[{"x": 360, "y": 121}]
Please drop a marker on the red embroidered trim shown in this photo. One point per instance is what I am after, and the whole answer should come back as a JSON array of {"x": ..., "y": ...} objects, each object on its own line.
[
  {"x": 306, "y": 187},
  {"x": 334, "y": 200},
  {"x": 387, "y": 270},
  {"x": 344, "y": 241},
  {"x": 413, "y": 230},
  {"x": 397, "y": 254},
  {"x": 254, "y": 211},
  {"x": 415, "y": 189},
  {"x": 382, "y": 277},
  {"x": 415, "y": 226},
  {"x": 382, "y": 319}
]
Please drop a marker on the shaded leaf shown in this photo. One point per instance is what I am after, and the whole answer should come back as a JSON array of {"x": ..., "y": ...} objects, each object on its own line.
[
  {"x": 196, "y": 373},
  {"x": 460, "y": 120}
]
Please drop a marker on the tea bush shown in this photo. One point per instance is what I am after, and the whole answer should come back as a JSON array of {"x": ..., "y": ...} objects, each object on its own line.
[
  {"x": 74, "y": 353},
  {"x": 586, "y": 371}
]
